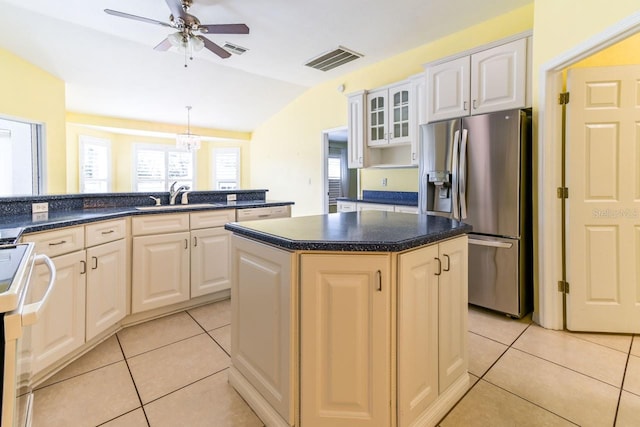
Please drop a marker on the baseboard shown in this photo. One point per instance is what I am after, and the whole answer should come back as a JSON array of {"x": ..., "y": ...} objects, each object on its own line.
[
  {"x": 263, "y": 410},
  {"x": 444, "y": 403}
]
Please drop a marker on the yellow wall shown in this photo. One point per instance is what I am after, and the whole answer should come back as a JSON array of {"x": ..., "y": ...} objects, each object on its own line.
[
  {"x": 29, "y": 93},
  {"x": 286, "y": 151},
  {"x": 397, "y": 179},
  {"x": 626, "y": 52},
  {"x": 122, "y": 149}
]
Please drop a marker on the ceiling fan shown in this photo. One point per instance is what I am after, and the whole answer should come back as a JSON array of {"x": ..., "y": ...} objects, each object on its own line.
[{"x": 186, "y": 25}]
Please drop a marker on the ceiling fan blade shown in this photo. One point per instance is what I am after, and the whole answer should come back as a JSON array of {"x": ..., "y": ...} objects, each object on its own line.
[
  {"x": 137, "y": 18},
  {"x": 164, "y": 45},
  {"x": 175, "y": 6},
  {"x": 224, "y": 29},
  {"x": 214, "y": 47}
]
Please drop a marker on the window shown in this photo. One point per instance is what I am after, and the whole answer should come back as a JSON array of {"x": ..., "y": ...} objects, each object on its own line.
[
  {"x": 21, "y": 158},
  {"x": 95, "y": 165},
  {"x": 156, "y": 167},
  {"x": 226, "y": 168},
  {"x": 334, "y": 172}
]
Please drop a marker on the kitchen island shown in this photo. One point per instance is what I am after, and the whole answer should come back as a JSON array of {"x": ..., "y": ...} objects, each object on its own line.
[{"x": 350, "y": 319}]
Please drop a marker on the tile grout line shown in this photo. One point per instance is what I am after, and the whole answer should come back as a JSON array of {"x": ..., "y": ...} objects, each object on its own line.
[
  {"x": 126, "y": 361},
  {"x": 207, "y": 332},
  {"x": 481, "y": 378},
  {"x": 626, "y": 366}
]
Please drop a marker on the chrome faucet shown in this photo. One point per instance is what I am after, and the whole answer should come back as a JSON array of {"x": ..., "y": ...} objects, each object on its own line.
[{"x": 173, "y": 192}]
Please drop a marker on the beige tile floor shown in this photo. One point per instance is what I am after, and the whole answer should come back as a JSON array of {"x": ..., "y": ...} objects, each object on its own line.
[{"x": 172, "y": 372}]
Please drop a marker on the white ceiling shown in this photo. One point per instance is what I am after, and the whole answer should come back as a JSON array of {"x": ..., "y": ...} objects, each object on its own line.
[{"x": 111, "y": 69}]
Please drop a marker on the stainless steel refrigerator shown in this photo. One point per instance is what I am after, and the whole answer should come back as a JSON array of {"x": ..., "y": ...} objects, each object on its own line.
[{"x": 477, "y": 169}]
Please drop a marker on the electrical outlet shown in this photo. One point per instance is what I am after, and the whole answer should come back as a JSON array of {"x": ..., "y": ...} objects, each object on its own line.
[
  {"x": 39, "y": 207},
  {"x": 384, "y": 182},
  {"x": 231, "y": 197}
]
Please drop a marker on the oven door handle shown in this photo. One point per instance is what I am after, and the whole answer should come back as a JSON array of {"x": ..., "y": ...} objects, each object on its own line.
[{"x": 31, "y": 312}]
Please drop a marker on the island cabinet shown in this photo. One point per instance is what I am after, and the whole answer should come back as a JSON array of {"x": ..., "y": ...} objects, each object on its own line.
[
  {"x": 358, "y": 336},
  {"x": 432, "y": 327},
  {"x": 264, "y": 332},
  {"x": 345, "y": 341}
]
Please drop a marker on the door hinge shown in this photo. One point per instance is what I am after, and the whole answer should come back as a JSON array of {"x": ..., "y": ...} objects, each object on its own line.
[
  {"x": 563, "y": 99},
  {"x": 563, "y": 192},
  {"x": 563, "y": 286}
]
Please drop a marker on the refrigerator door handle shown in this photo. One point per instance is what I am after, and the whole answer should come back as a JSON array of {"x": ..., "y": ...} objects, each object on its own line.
[
  {"x": 455, "y": 205},
  {"x": 492, "y": 243},
  {"x": 463, "y": 175}
]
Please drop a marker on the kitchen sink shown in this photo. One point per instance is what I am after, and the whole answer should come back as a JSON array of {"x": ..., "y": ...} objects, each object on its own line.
[{"x": 177, "y": 207}]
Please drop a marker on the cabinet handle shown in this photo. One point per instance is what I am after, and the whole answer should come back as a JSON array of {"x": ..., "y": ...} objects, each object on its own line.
[
  {"x": 448, "y": 263},
  {"x": 61, "y": 242},
  {"x": 413, "y": 156},
  {"x": 439, "y": 266},
  {"x": 186, "y": 243},
  {"x": 108, "y": 232},
  {"x": 84, "y": 267},
  {"x": 464, "y": 105},
  {"x": 474, "y": 105},
  {"x": 379, "y": 277},
  {"x": 95, "y": 263},
  {"x": 195, "y": 241}
]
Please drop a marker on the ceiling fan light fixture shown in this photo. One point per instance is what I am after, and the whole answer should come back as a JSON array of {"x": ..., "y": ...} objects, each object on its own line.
[{"x": 188, "y": 141}]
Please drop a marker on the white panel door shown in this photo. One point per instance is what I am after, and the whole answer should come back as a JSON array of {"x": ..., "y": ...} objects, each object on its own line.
[
  {"x": 417, "y": 333},
  {"x": 448, "y": 89},
  {"x": 210, "y": 261},
  {"x": 160, "y": 271},
  {"x": 603, "y": 210},
  {"x": 499, "y": 78},
  {"x": 106, "y": 286}
]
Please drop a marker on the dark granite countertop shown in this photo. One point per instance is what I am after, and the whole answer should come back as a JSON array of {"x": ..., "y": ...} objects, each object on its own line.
[
  {"x": 368, "y": 231},
  {"x": 19, "y": 224}
]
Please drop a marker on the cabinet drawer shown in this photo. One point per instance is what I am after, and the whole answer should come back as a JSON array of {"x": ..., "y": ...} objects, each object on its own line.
[
  {"x": 58, "y": 242},
  {"x": 210, "y": 219},
  {"x": 159, "y": 224},
  {"x": 104, "y": 232},
  {"x": 263, "y": 213}
]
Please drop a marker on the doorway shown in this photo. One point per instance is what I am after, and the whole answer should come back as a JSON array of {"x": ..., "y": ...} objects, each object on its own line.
[
  {"x": 338, "y": 179},
  {"x": 549, "y": 243}
]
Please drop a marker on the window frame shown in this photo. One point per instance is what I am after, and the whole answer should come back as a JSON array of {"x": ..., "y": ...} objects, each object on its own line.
[
  {"x": 165, "y": 148},
  {"x": 84, "y": 140},
  {"x": 215, "y": 181}
]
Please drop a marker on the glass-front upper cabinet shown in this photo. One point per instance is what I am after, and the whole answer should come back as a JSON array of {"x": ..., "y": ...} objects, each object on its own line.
[{"x": 389, "y": 113}]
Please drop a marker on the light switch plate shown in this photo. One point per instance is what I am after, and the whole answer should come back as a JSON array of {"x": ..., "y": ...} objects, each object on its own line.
[
  {"x": 39, "y": 207},
  {"x": 231, "y": 197}
]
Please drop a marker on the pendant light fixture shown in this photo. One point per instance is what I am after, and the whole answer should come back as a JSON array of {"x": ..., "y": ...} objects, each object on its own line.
[{"x": 188, "y": 141}]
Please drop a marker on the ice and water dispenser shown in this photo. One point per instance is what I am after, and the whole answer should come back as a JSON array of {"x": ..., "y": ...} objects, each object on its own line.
[{"x": 438, "y": 182}]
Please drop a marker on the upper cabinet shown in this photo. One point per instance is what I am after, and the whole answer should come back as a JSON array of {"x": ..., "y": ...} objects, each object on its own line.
[
  {"x": 389, "y": 113},
  {"x": 383, "y": 125},
  {"x": 490, "y": 80}
]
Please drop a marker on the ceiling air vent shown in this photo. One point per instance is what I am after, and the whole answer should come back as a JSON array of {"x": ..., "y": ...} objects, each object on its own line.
[
  {"x": 234, "y": 48},
  {"x": 335, "y": 58}
]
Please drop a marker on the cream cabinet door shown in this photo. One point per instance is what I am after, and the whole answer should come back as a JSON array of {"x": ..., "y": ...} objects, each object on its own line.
[
  {"x": 417, "y": 332},
  {"x": 448, "y": 89},
  {"x": 453, "y": 310},
  {"x": 61, "y": 328},
  {"x": 160, "y": 271},
  {"x": 345, "y": 365},
  {"x": 374, "y": 207},
  {"x": 106, "y": 286},
  {"x": 499, "y": 78},
  {"x": 263, "y": 319},
  {"x": 210, "y": 261},
  {"x": 356, "y": 130}
]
